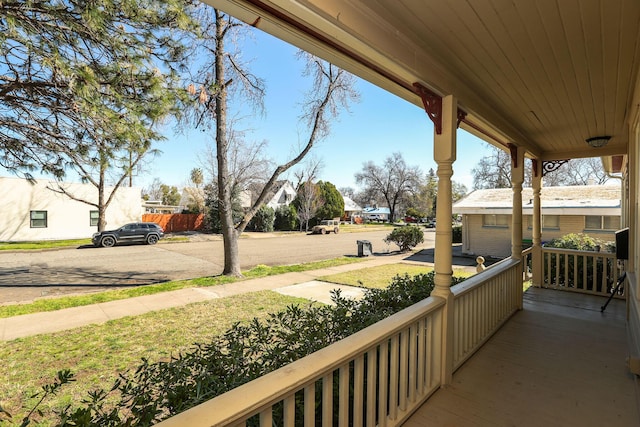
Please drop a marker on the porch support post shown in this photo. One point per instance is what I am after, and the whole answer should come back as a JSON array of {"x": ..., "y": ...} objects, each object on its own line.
[
  {"x": 444, "y": 148},
  {"x": 517, "y": 178},
  {"x": 536, "y": 253}
]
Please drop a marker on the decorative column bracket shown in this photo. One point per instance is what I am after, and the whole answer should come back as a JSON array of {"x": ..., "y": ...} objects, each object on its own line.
[
  {"x": 433, "y": 106},
  {"x": 513, "y": 150},
  {"x": 551, "y": 165}
]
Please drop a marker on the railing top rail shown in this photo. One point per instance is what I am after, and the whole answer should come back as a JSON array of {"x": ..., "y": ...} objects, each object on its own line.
[
  {"x": 576, "y": 251},
  {"x": 479, "y": 279},
  {"x": 231, "y": 406},
  {"x": 527, "y": 251}
]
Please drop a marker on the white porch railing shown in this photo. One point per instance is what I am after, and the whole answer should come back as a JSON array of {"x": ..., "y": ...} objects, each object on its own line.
[
  {"x": 376, "y": 377},
  {"x": 482, "y": 304},
  {"x": 579, "y": 271}
]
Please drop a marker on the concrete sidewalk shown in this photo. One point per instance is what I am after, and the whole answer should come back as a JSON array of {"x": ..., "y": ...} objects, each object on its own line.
[{"x": 301, "y": 285}]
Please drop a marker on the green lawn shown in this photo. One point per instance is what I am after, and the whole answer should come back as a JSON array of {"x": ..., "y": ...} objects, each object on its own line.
[
  {"x": 379, "y": 277},
  {"x": 97, "y": 353},
  {"x": 52, "y": 304}
]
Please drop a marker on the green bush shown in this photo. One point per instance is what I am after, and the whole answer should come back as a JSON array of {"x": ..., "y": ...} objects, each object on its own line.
[
  {"x": 155, "y": 391},
  {"x": 567, "y": 270},
  {"x": 286, "y": 218},
  {"x": 263, "y": 220},
  {"x": 457, "y": 234},
  {"x": 406, "y": 237}
]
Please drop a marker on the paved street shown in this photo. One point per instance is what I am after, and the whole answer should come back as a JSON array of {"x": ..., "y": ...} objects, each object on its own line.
[{"x": 27, "y": 275}]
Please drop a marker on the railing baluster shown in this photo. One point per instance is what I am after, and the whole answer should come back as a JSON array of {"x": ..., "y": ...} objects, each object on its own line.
[
  {"x": 358, "y": 391},
  {"x": 413, "y": 337},
  {"x": 343, "y": 395},
  {"x": 327, "y": 399},
  {"x": 266, "y": 418},
  {"x": 372, "y": 361},
  {"x": 424, "y": 364},
  {"x": 394, "y": 348},
  {"x": 310, "y": 405},
  {"x": 405, "y": 376},
  {"x": 383, "y": 383},
  {"x": 289, "y": 409}
]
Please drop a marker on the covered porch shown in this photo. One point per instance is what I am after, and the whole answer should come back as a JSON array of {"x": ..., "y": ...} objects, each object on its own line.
[
  {"x": 545, "y": 81},
  {"x": 558, "y": 362}
]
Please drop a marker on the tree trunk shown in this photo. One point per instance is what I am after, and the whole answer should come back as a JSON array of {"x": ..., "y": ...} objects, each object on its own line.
[
  {"x": 229, "y": 233},
  {"x": 102, "y": 209}
]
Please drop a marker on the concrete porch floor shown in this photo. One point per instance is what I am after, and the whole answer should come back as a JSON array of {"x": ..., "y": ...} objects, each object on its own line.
[{"x": 558, "y": 362}]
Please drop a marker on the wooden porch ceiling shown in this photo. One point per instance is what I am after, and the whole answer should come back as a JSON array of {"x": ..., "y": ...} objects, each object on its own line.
[
  {"x": 545, "y": 75},
  {"x": 559, "y": 362}
]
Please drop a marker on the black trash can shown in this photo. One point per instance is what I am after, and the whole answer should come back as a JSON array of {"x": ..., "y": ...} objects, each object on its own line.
[{"x": 364, "y": 248}]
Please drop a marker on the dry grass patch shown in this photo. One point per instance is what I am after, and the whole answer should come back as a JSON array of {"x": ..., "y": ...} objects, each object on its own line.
[{"x": 97, "y": 353}]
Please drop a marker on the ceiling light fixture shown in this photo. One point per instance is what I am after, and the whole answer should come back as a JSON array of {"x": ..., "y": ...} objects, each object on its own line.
[{"x": 598, "y": 141}]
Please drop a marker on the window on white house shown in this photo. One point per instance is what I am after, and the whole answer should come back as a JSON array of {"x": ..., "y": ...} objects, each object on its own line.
[
  {"x": 601, "y": 222},
  {"x": 38, "y": 219},
  {"x": 93, "y": 218},
  {"x": 490, "y": 220}
]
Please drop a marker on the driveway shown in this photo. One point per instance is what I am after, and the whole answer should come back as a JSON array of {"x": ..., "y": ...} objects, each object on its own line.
[{"x": 27, "y": 275}]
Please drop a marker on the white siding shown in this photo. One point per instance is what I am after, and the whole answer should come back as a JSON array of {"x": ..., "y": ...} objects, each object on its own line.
[{"x": 66, "y": 218}]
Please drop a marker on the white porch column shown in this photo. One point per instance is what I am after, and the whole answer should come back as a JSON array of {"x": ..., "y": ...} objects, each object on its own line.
[
  {"x": 536, "y": 254},
  {"x": 517, "y": 178},
  {"x": 444, "y": 148}
]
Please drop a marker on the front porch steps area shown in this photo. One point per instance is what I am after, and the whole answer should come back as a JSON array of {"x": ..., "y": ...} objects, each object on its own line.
[{"x": 559, "y": 362}]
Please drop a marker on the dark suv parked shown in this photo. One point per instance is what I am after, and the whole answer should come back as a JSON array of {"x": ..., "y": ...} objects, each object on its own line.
[{"x": 138, "y": 232}]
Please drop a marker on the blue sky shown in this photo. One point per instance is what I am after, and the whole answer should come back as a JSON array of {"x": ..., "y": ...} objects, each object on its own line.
[{"x": 377, "y": 126}]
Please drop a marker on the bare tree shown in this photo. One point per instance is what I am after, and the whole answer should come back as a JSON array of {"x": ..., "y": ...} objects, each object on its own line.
[
  {"x": 582, "y": 172},
  {"x": 223, "y": 74},
  {"x": 308, "y": 197},
  {"x": 247, "y": 163},
  {"x": 393, "y": 180},
  {"x": 153, "y": 191},
  {"x": 494, "y": 171}
]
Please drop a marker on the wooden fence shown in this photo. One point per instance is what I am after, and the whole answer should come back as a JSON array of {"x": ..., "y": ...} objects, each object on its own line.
[{"x": 172, "y": 223}]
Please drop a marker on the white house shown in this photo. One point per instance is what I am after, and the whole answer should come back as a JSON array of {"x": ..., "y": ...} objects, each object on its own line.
[
  {"x": 351, "y": 209},
  {"x": 282, "y": 194},
  {"x": 486, "y": 216},
  {"x": 32, "y": 212}
]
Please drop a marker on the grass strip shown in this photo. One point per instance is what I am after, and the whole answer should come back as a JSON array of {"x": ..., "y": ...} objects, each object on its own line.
[
  {"x": 97, "y": 353},
  {"x": 52, "y": 304},
  {"x": 380, "y": 276}
]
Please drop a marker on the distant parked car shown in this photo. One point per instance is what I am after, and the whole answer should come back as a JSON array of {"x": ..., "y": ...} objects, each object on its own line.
[
  {"x": 375, "y": 217},
  {"x": 136, "y": 232},
  {"x": 430, "y": 223},
  {"x": 327, "y": 226}
]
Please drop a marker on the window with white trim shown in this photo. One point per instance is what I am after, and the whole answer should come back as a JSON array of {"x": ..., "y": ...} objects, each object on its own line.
[
  {"x": 38, "y": 219},
  {"x": 94, "y": 216}
]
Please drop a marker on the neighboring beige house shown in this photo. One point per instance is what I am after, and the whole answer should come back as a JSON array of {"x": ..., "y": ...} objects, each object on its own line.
[
  {"x": 32, "y": 212},
  {"x": 486, "y": 216}
]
